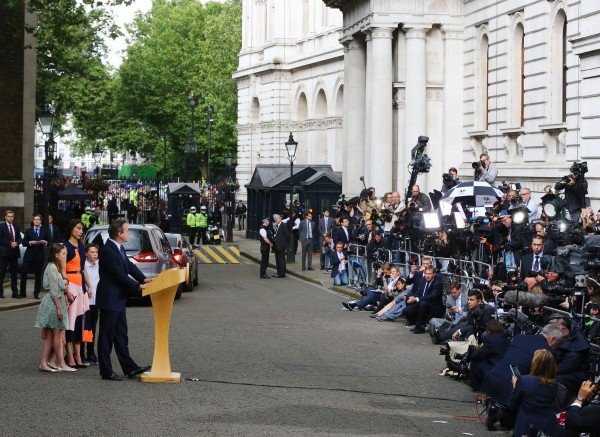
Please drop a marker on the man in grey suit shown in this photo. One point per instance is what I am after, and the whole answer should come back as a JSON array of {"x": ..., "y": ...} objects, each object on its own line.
[
  {"x": 307, "y": 231},
  {"x": 326, "y": 225},
  {"x": 456, "y": 306}
]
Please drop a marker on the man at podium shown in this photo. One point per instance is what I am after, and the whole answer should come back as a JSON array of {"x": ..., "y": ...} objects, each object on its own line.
[{"x": 119, "y": 277}]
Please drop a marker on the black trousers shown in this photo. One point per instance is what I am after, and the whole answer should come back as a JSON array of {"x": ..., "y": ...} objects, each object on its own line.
[
  {"x": 113, "y": 330},
  {"x": 94, "y": 317},
  {"x": 280, "y": 261},
  {"x": 193, "y": 233},
  {"x": 36, "y": 266},
  {"x": 9, "y": 261},
  {"x": 427, "y": 311},
  {"x": 264, "y": 261}
]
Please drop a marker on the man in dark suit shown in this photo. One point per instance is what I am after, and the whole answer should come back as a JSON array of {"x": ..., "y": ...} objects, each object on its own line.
[
  {"x": 326, "y": 225},
  {"x": 532, "y": 262},
  {"x": 119, "y": 277},
  {"x": 424, "y": 301},
  {"x": 343, "y": 233},
  {"x": 307, "y": 231},
  {"x": 339, "y": 264},
  {"x": 282, "y": 239},
  {"x": 34, "y": 241},
  {"x": 54, "y": 235},
  {"x": 583, "y": 419},
  {"x": 10, "y": 238},
  {"x": 474, "y": 322}
]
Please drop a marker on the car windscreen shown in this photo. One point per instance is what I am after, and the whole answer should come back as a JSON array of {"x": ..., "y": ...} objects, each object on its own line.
[
  {"x": 172, "y": 240},
  {"x": 138, "y": 241}
]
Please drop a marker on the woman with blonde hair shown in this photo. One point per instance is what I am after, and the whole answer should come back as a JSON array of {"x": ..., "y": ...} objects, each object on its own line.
[{"x": 533, "y": 395}]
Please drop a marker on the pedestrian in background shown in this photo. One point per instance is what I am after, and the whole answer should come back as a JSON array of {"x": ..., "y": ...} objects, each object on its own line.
[
  {"x": 307, "y": 230},
  {"x": 35, "y": 241},
  {"x": 10, "y": 238},
  {"x": 281, "y": 241},
  {"x": 240, "y": 213},
  {"x": 266, "y": 245}
]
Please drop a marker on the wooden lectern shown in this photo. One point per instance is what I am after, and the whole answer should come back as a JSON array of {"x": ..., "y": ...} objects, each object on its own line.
[{"x": 162, "y": 292}]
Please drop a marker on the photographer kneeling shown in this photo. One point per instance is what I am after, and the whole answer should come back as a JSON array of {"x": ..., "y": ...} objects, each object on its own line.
[{"x": 473, "y": 322}]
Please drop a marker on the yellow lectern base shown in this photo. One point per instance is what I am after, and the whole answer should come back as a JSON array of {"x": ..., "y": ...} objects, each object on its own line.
[{"x": 148, "y": 377}]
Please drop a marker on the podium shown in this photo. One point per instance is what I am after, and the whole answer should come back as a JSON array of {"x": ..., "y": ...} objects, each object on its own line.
[{"x": 162, "y": 293}]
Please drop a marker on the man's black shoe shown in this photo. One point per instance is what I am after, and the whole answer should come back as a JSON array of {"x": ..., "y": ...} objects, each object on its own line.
[
  {"x": 16, "y": 296},
  {"x": 1, "y": 296},
  {"x": 138, "y": 371},
  {"x": 36, "y": 296},
  {"x": 265, "y": 277},
  {"x": 347, "y": 306},
  {"x": 279, "y": 276},
  {"x": 113, "y": 377},
  {"x": 321, "y": 268},
  {"x": 418, "y": 331}
]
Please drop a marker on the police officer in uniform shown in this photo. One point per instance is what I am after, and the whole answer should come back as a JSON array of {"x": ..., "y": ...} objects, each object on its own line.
[
  {"x": 266, "y": 244},
  {"x": 202, "y": 224},
  {"x": 85, "y": 218},
  {"x": 191, "y": 223}
]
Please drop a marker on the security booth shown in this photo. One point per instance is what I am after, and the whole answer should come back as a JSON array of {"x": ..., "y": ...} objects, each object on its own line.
[
  {"x": 315, "y": 186},
  {"x": 181, "y": 197}
]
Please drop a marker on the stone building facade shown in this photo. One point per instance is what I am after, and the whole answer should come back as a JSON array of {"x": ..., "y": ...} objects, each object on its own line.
[{"x": 358, "y": 81}]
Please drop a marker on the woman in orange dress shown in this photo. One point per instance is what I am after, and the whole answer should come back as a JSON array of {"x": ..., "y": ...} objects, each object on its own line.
[{"x": 79, "y": 289}]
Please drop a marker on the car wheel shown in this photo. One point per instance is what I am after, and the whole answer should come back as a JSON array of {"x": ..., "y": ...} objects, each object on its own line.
[
  {"x": 195, "y": 281},
  {"x": 179, "y": 290}
]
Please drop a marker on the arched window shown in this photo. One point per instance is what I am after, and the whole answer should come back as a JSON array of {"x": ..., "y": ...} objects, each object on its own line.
[
  {"x": 558, "y": 69},
  {"x": 482, "y": 81},
  {"x": 517, "y": 109}
]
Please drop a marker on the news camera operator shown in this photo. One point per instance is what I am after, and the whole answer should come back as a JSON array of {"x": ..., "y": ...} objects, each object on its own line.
[
  {"x": 485, "y": 169},
  {"x": 421, "y": 200},
  {"x": 474, "y": 321},
  {"x": 540, "y": 230},
  {"x": 378, "y": 241},
  {"x": 576, "y": 188},
  {"x": 449, "y": 180}
]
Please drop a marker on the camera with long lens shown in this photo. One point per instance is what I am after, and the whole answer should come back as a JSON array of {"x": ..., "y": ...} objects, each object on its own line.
[
  {"x": 521, "y": 286},
  {"x": 379, "y": 257},
  {"x": 565, "y": 180},
  {"x": 504, "y": 187},
  {"x": 448, "y": 180},
  {"x": 579, "y": 167},
  {"x": 594, "y": 229},
  {"x": 478, "y": 164}
]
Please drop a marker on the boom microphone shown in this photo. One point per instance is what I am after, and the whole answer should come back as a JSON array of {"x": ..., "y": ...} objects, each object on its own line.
[{"x": 524, "y": 298}]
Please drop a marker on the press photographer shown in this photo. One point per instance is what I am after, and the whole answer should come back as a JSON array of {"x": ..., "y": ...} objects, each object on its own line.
[
  {"x": 485, "y": 169},
  {"x": 576, "y": 188},
  {"x": 449, "y": 180},
  {"x": 421, "y": 200}
]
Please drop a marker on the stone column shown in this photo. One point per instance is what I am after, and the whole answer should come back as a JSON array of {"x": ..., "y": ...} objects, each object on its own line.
[
  {"x": 368, "y": 109},
  {"x": 380, "y": 111},
  {"x": 415, "y": 121},
  {"x": 453, "y": 88},
  {"x": 354, "y": 115}
]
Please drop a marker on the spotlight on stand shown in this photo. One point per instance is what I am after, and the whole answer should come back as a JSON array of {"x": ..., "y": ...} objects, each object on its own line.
[
  {"x": 431, "y": 221},
  {"x": 519, "y": 215}
]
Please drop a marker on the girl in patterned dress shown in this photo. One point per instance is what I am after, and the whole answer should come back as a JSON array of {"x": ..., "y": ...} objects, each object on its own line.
[{"x": 52, "y": 314}]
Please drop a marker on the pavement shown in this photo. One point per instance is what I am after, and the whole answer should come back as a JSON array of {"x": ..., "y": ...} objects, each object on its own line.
[{"x": 249, "y": 248}]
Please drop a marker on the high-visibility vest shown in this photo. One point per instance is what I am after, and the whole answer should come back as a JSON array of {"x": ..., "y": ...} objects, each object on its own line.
[
  {"x": 201, "y": 220},
  {"x": 85, "y": 219},
  {"x": 191, "y": 220},
  {"x": 133, "y": 198}
]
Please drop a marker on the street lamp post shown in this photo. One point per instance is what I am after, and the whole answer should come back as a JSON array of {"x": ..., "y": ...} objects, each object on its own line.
[
  {"x": 210, "y": 121},
  {"x": 190, "y": 145},
  {"x": 291, "y": 147},
  {"x": 230, "y": 198},
  {"x": 133, "y": 167},
  {"x": 46, "y": 122},
  {"x": 97, "y": 153}
]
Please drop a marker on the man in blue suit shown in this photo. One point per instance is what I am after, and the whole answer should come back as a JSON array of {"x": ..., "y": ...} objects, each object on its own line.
[
  {"x": 10, "y": 238},
  {"x": 424, "y": 301},
  {"x": 119, "y": 277},
  {"x": 35, "y": 241}
]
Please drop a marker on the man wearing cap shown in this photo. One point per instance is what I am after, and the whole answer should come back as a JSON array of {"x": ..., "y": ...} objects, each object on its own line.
[
  {"x": 266, "y": 244},
  {"x": 191, "y": 223},
  {"x": 85, "y": 217}
]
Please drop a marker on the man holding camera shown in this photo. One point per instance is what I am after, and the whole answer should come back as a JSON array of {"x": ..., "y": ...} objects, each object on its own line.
[
  {"x": 486, "y": 171},
  {"x": 450, "y": 180},
  {"x": 576, "y": 188},
  {"x": 421, "y": 200}
]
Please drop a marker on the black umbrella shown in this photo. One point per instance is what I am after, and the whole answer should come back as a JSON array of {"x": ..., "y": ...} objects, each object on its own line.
[{"x": 472, "y": 194}]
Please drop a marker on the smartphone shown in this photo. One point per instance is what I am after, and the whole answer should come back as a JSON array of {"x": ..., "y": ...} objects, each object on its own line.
[{"x": 515, "y": 370}]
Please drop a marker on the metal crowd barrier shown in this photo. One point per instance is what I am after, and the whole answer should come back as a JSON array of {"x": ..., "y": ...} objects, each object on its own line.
[{"x": 358, "y": 268}]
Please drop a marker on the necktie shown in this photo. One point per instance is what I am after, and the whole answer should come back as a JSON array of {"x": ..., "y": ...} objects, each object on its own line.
[
  {"x": 309, "y": 229},
  {"x": 325, "y": 226},
  {"x": 123, "y": 254},
  {"x": 51, "y": 234},
  {"x": 536, "y": 264},
  {"x": 426, "y": 288},
  {"x": 37, "y": 232},
  {"x": 12, "y": 234}
]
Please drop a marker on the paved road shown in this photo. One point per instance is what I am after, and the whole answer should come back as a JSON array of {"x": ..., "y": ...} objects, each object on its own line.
[{"x": 269, "y": 358}]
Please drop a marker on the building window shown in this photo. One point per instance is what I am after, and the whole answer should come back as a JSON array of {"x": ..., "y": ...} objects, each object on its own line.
[
  {"x": 517, "y": 109},
  {"x": 558, "y": 69},
  {"x": 482, "y": 103}
]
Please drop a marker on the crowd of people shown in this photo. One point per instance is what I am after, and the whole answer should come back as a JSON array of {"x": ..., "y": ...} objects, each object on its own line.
[{"x": 527, "y": 378}]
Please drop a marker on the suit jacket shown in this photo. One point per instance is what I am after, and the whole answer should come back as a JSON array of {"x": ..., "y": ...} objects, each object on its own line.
[
  {"x": 56, "y": 234},
  {"x": 492, "y": 350},
  {"x": 118, "y": 279},
  {"x": 303, "y": 230},
  {"x": 497, "y": 382},
  {"x": 451, "y": 301},
  {"x": 527, "y": 263},
  {"x": 335, "y": 262},
  {"x": 585, "y": 419},
  {"x": 340, "y": 235},
  {"x": 330, "y": 225},
  {"x": 282, "y": 237},
  {"x": 5, "y": 241},
  {"x": 434, "y": 293},
  {"x": 34, "y": 252}
]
